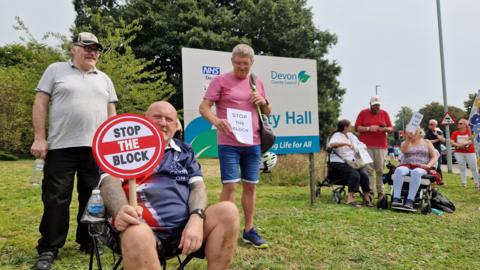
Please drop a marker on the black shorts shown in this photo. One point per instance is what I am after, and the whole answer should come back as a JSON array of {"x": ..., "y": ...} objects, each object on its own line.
[
  {"x": 170, "y": 247},
  {"x": 166, "y": 248}
]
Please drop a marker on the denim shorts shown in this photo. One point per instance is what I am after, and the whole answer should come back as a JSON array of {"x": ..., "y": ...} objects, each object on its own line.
[{"x": 245, "y": 157}]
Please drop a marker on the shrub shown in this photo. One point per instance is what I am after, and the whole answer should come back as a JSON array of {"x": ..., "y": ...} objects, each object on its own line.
[
  {"x": 294, "y": 170},
  {"x": 4, "y": 156}
]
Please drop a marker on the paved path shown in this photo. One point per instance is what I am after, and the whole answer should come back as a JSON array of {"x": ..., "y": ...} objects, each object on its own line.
[{"x": 455, "y": 169}]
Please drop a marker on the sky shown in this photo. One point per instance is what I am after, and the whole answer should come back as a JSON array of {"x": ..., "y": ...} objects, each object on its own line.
[
  {"x": 395, "y": 44},
  {"x": 39, "y": 16},
  {"x": 390, "y": 43}
]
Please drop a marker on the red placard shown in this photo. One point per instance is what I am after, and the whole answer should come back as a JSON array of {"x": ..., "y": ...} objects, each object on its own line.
[{"x": 128, "y": 146}]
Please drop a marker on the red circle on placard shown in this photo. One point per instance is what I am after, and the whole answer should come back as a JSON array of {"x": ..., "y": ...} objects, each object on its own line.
[{"x": 103, "y": 146}]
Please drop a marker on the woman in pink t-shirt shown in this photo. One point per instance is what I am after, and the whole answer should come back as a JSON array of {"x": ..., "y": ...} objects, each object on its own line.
[{"x": 232, "y": 94}]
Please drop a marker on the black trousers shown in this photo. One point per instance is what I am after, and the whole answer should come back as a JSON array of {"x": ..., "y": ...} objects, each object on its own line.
[
  {"x": 354, "y": 178},
  {"x": 61, "y": 165},
  {"x": 439, "y": 165}
]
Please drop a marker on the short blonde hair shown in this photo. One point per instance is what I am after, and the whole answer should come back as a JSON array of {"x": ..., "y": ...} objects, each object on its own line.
[
  {"x": 421, "y": 132},
  {"x": 243, "y": 50}
]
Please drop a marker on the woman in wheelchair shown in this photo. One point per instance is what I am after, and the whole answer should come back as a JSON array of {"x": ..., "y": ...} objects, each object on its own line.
[
  {"x": 419, "y": 157},
  {"x": 344, "y": 145}
]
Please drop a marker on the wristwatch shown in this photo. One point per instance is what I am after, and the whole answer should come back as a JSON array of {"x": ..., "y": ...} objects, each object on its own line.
[{"x": 199, "y": 212}]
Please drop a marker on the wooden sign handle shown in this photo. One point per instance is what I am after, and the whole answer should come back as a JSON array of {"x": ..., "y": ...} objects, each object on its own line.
[{"x": 132, "y": 193}]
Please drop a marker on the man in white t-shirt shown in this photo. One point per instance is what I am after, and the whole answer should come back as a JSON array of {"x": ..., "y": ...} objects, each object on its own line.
[{"x": 77, "y": 97}]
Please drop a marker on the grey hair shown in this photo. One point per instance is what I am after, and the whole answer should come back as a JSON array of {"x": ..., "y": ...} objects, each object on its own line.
[
  {"x": 433, "y": 121},
  {"x": 243, "y": 50}
]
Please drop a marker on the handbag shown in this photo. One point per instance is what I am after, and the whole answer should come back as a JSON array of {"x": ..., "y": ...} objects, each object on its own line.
[
  {"x": 356, "y": 163},
  {"x": 267, "y": 137}
]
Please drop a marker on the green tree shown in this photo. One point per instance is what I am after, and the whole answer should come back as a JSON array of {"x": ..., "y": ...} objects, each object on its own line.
[
  {"x": 402, "y": 118},
  {"x": 469, "y": 103},
  {"x": 21, "y": 67},
  {"x": 85, "y": 10},
  {"x": 136, "y": 85},
  {"x": 279, "y": 28},
  {"x": 435, "y": 111}
]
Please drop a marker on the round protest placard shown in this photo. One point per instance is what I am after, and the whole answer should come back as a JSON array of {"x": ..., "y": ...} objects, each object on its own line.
[{"x": 128, "y": 146}]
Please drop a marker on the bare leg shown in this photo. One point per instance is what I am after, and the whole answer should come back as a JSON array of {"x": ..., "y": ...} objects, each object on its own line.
[
  {"x": 350, "y": 197},
  {"x": 248, "y": 204},
  {"x": 228, "y": 192},
  {"x": 139, "y": 248},
  {"x": 221, "y": 231}
]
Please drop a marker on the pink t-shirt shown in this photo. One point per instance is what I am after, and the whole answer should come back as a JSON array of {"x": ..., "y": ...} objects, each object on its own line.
[{"x": 227, "y": 91}]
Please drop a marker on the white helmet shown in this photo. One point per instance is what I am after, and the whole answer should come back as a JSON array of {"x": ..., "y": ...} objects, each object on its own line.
[{"x": 268, "y": 161}]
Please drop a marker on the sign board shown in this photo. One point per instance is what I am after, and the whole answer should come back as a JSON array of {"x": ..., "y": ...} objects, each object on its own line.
[
  {"x": 414, "y": 122},
  {"x": 447, "y": 119},
  {"x": 291, "y": 88},
  {"x": 128, "y": 146}
]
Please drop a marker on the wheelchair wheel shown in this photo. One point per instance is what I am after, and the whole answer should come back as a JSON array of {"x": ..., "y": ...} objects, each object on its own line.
[
  {"x": 337, "y": 196},
  {"x": 382, "y": 203},
  {"x": 425, "y": 206},
  {"x": 318, "y": 190}
]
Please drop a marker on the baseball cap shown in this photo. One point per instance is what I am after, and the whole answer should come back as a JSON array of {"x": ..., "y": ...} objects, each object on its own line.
[
  {"x": 375, "y": 101},
  {"x": 86, "y": 38}
]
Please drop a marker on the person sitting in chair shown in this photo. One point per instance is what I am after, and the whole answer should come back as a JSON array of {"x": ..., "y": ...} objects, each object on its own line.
[
  {"x": 419, "y": 158},
  {"x": 172, "y": 206},
  {"x": 344, "y": 145}
]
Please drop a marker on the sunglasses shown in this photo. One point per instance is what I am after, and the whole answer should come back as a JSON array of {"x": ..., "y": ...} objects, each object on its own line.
[{"x": 89, "y": 48}]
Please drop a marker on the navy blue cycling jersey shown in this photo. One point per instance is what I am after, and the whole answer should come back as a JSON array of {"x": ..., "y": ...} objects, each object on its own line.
[{"x": 164, "y": 194}]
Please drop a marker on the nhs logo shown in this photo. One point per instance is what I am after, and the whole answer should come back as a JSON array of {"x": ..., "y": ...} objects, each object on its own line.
[{"x": 210, "y": 70}]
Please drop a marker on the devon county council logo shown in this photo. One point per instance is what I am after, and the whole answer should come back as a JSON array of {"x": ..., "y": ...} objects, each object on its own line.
[
  {"x": 303, "y": 76},
  {"x": 287, "y": 78}
]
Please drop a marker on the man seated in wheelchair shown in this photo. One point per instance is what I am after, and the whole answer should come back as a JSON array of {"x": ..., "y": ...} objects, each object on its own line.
[
  {"x": 344, "y": 146},
  {"x": 419, "y": 159},
  {"x": 171, "y": 207}
]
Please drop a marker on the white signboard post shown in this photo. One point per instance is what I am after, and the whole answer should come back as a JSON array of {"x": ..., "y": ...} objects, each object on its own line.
[{"x": 291, "y": 87}]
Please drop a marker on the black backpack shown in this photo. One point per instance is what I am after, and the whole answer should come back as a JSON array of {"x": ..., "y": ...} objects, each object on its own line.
[{"x": 441, "y": 202}]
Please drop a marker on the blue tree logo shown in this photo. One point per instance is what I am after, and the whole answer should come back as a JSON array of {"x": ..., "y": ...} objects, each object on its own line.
[{"x": 303, "y": 76}]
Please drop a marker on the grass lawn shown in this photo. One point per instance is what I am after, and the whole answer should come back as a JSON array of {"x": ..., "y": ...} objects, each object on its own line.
[{"x": 325, "y": 236}]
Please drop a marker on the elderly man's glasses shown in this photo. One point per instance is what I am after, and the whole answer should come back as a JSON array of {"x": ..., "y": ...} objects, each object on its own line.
[{"x": 89, "y": 48}]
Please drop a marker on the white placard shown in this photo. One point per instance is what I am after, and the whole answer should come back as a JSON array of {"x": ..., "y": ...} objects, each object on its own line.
[
  {"x": 362, "y": 149},
  {"x": 241, "y": 122},
  {"x": 414, "y": 122},
  {"x": 364, "y": 155}
]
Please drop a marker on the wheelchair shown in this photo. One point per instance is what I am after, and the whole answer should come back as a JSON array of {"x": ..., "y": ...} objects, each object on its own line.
[
  {"x": 423, "y": 196},
  {"x": 101, "y": 232},
  {"x": 336, "y": 184}
]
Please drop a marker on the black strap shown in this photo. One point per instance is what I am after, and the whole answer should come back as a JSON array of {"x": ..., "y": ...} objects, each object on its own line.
[
  {"x": 253, "y": 85},
  {"x": 335, "y": 152}
]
